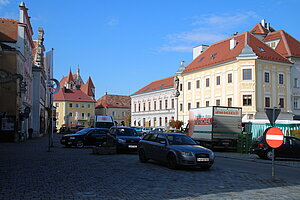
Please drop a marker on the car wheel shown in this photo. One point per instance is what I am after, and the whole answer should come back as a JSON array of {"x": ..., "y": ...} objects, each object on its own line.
[
  {"x": 142, "y": 156},
  {"x": 172, "y": 163},
  {"x": 79, "y": 144},
  {"x": 269, "y": 155}
]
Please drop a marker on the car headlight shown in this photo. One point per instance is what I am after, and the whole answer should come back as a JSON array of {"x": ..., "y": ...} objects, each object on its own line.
[
  {"x": 121, "y": 141},
  {"x": 72, "y": 138},
  {"x": 212, "y": 155},
  {"x": 183, "y": 153}
]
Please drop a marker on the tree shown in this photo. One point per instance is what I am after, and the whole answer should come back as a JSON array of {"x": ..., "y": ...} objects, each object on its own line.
[
  {"x": 176, "y": 124},
  {"x": 128, "y": 119}
]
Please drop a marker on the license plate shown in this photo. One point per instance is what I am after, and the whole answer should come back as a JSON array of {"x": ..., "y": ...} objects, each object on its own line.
[
  {"x": 202, "y": 159},
  {"x": 132, "y": 146}
]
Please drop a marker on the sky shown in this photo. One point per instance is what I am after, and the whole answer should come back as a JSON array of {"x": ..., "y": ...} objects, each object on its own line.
[{"x": 123, "y": 45}]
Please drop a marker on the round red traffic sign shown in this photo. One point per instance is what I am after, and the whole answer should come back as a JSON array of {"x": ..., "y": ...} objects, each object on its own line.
[{"x": 274, "y": 137}]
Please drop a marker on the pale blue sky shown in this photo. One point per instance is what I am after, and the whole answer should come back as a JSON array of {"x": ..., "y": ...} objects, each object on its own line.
[{"x": 126, "y": 44}]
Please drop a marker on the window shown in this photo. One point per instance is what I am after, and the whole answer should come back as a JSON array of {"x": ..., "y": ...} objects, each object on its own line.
[
  {"x": 181, "y": 108},
  {"x": 166, "y": 104},
  {"x": 247, "y": 100},
  {"x": 189, "y": 106},
  {"x": 267, "y": 77},
  {"x": 281, "y": 102},
  {"x": 82, "y": 115},
  {"x": 206, "y": 103},
  {"x": 160, "y": 121},
  {"x": 144, "y": 106},
  {"x": 180, "y": 87},
  {"x": 113, "y": 113},
  {"x": 198, "y": 84},
  {"x": 89, "y": 105},
  {"x": 89, "y": 114},
  {"x": 166, "y": 121},
  {"x": 123, "y": 114},
  {"x": 173, "y": 103},
  {"x": 198, "y": 104},
  {"x": 207, "y": 82},
  {"x": 189, "y": 85},
  {"x": 149, "y": 105},
  {"x": 218, "y": 102},
  {"x": 280, "y": 78},
  {"x": 77, "y": 105},
  {"x": 134, "y": 107},
  {"x": 218, "y": 80},
  {"x": 296, "y": 84},
  {"x": 71, "y": 114},
  {"x": 229, "y": 78},
  {"x": 82, "y": 105},
  {"x": 154, "y": 105},
  {"x": 247, "y": 74},
  {"x": 70, "y": 105},
  {"x": 160, "y": 104},
  {"x": 139, "y": 107},
  {"x": 296, "y": 103},
  {"x": 267, "y": 102},
  {"x": 56, "y": 105},
  {"x": 229, "y": 102},
  {"x": 57, "y": 114}
]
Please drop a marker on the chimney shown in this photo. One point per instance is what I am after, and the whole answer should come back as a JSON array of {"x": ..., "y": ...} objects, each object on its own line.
[
  {"x": 263, "y": 23},
  {"x": 198, "y": 50},
  {"x": 232, "y": 43}
]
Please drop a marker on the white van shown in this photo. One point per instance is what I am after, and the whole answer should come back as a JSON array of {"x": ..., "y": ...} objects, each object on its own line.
[{"x": 146, "y": 130}]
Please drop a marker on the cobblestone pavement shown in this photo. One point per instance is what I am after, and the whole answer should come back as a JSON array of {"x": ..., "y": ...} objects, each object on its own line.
[{"x": 29, "y": 171}]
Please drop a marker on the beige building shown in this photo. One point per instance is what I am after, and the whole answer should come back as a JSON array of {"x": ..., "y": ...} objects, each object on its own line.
[
  {"x": 117, "y": 106},
  {"x": 240, "y": 71}
]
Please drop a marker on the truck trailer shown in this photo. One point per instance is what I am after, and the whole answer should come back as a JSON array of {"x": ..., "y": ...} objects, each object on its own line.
[
  {"x": 100, "y": 121},
  {"x": 215, "y": 126}
]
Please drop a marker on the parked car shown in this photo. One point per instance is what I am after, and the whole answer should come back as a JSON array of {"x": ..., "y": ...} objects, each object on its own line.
[
  {"x": 126, "y": 137},
  {"x": 138, "y": 130},
  {"x": 174, "y": 131},
  {"x": 158, "y": 130},
  {"x": 175, "y": 150},
  {"x": 87, "y": 137},
  {"x": 289, "y": 149},
  {"x": 146, "y": 130}
]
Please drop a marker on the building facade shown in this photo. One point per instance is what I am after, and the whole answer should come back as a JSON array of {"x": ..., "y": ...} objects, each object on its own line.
[
  {"x": 74, "y": 102},
  {"x": 16, "y": 76},
  {"x": 117, "y": 106},
  {"x": 240, "y": 71},
  {"x": 154, "y": 105}
]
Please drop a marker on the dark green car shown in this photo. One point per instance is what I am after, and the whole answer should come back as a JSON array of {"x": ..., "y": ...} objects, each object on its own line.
[{"x": 175, "y": 150}]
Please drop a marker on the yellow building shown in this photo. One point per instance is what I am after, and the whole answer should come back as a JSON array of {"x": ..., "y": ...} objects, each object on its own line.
[
  {"x": 240, "y": 71},
  {"x": 74, "y": 102}
]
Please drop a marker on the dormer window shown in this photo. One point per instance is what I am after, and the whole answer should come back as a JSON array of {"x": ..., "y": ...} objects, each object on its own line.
[
  {"x": 200, "y": 59},
  {"x": 212, "y": 56},
  {"x": 261, "y": 49}
]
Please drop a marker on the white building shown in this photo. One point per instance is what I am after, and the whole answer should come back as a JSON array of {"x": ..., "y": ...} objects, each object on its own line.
[{"x": 154, "y": 105}]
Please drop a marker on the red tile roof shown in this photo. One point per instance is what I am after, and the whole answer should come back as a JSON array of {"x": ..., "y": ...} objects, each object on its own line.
[
  {"x": 114, "y": 101},
  {"x": 258, "y": 28},
  {"x": 8, "y": 30},
  {"x": 72, "y": 95},
  {"x": 158, "y": 85},
  {"x": 90, "y": 83},
  {"x": 65, "y": 79},
  {"x": 287, "y": 46},
  {"x": 87, "y": 88},
  {"x": 220, "y": 52}
]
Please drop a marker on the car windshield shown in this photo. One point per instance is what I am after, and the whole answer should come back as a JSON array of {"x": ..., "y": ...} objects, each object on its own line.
[
  {"x": 126, "y": 132},
  {"x": 180, "y": 140},
  {"x": 83, "y": 131}
]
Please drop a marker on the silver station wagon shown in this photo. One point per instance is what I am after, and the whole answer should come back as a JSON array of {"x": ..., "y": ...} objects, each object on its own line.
[{"x": 175, "y": 150}]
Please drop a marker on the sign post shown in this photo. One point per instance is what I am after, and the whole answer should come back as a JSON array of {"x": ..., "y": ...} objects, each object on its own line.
[{"x": 273, "y": 135}]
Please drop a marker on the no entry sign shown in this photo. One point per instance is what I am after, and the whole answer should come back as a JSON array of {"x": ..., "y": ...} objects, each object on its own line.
[{"x": 274, "y": 137}]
